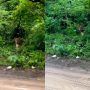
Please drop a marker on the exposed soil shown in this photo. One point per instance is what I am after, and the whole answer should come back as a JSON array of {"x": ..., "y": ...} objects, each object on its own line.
[
  {"x": 21, "y": 79},
  {"x": 66, "y": 74}
]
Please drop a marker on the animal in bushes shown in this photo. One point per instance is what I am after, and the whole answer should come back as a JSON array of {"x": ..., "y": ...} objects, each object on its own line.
[
  {"x": 81, "y": 28},
  {"x": 17, "y": 35},
  {"x": 18, "y": 42}
]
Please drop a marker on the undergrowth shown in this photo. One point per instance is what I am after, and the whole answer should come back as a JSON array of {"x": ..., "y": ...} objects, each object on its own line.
[{"x": 68, "y": 45}]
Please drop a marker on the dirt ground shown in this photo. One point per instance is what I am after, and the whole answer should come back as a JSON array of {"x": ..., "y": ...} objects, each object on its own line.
[
  {"x": 64, "y": 74},
  {"x": 21, "y": 80},
  {"x": 60, "y": 74}
]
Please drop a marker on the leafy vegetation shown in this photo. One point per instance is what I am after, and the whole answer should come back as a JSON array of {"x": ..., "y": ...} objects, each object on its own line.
[
  {"x": 68, "y": 28},
  {"x": 30, "y": 15}
]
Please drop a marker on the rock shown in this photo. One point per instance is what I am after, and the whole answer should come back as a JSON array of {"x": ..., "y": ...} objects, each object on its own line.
[
  {"x": 54, "y": 56},
  {"x": 9, "y": 67},
  {"x": 77, "y": 57},
  {"x": 33, "y": 67}
]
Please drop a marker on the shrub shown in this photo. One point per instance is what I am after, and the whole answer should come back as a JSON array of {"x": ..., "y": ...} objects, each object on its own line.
[
  {"x": 35, "y": 58},
  {"x": 68, "y": 45}
]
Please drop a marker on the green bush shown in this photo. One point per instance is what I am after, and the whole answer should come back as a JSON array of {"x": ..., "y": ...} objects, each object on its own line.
[
  {"x": 64, "y": 45},
  {"x": 29, "y": 16},
  {"x": 35, "y": 58}
]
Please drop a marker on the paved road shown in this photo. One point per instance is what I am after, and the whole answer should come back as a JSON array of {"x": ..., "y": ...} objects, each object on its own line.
[
  {"x": 15, "y": 80},
  {"x": 63, "y": 78}
]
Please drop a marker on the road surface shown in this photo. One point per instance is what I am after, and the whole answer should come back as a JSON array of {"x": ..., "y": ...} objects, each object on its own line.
[
  {"x": 21, "y": 80},
  {"x": 60, "y": 77}
]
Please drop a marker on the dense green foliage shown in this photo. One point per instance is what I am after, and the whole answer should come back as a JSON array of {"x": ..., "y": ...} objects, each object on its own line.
[
  {"x": 30, "y": 16},
  {"x": 63, "y": 18}
]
